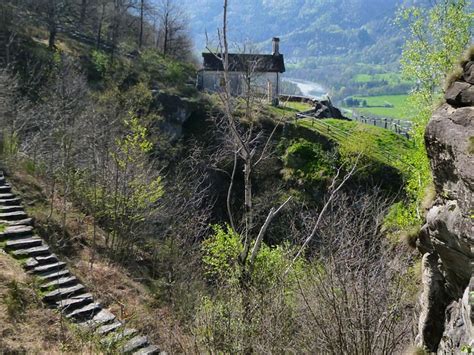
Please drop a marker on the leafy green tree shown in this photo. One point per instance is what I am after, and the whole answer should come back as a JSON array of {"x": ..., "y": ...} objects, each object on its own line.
[
  {"x": 222, "y": 321},
  {"x": 134, "y": 188},
  {"x": 437, "y": 36}
]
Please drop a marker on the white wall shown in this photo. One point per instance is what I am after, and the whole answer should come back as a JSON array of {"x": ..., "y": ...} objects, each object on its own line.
[{"x": 261, "y": 83}]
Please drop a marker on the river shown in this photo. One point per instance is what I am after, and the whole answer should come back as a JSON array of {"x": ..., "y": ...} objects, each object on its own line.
[{"x": 309, "y": 88}]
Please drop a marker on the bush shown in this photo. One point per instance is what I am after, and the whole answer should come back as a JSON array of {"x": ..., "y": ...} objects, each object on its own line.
[
  {"x": 308, "y": 161},
  {"x": 221, "y": 253},
  {"x": 100, "y": 64},
  {"x": 259, "y": 316},
  {"x": 155, "y": 67},
  {"x": 16, "y": 300},
  {"x": 221, "y": 259}
]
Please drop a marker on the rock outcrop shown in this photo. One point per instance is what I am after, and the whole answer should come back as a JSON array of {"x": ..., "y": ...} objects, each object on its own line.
[
  {"x": 325, "y": 109},
  {"x": 447, "y": 239},
  {"x": 175, "y": 111}
]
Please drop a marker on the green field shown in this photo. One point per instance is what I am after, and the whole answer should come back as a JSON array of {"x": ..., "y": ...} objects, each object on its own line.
[
  {"x": 390, "y": 78},
  {"x": 299, "y": 106},
  {"x": 378, "y": 143},
  {"x": 400, "y": 107}
]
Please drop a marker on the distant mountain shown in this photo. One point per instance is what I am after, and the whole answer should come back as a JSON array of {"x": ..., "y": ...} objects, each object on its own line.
[{"x": 328, "y": 41}]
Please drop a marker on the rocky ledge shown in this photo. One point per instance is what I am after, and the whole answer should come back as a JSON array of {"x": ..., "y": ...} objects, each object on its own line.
[{"x": 447, "y": 239}]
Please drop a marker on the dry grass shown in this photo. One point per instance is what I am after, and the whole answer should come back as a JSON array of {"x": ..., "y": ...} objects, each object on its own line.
[
  {"x": 429, "y": 197},
  {"x": 130, "y": 300},
  {"x": 469, "y": 54},
  {"x": 457, "y": 72},
  {"x": 121, "y": 290},
  {"x": 38, "y": 329},
  {"x": 410, "y": 236},
  {"x": 414, "y": 350},
  {"x": 452, "y": 77}
]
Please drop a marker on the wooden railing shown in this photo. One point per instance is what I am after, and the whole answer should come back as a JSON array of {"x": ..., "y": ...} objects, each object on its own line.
[
  {"x": 402, "y": 127},
  {"x": 339, "y": 135}
]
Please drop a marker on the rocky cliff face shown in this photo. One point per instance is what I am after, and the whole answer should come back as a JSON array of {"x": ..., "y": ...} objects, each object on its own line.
[
  {"x": 447, "y": 239},
  {"x": 175, "y": 110}
]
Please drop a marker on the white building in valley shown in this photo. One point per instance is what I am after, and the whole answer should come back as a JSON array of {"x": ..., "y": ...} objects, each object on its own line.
[{"x": 255, "y": 73}]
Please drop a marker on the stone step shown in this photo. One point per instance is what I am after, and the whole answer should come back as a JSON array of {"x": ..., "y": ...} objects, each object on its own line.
[
  {"x": 149, "y": 350},
  {"x": 61, "y": 282},
  {"x": 106, "y": 329},
  {"x": 16, "y": 231},
  {"x": 135, "y": 343},
  {"x": 86, "y": 312},
  {"x": 54, "y": 275},
  {"x": 101, "y": 318},
  {"x": 11, "y": 208},
  {"x": 4, "y": 189},
  {"x": 36, "y": 251},
  {"x": 7, "y": 196},
  {"x": 9, "y": 201},
  {"x": 13, "y": 216},
  {"x": 118, "y": 336},
  {"x": 40, "y": 260},
  {"x": 74, "y": 302},
  {"x": 49, "y": 267},
  {"x": 23, "y": 243},
  {"x": 63, "y": 293},
  {"x": 20, "y": 222}
]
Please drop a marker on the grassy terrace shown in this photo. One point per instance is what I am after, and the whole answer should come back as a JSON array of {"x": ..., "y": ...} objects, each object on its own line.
[
  {"x": 399, "y": 103},
  {"x": 289, "y": 109},
  {"x": 376, "y": 143}
]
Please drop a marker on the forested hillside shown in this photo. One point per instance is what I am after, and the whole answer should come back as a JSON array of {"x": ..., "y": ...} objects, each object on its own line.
[
  {"x": 328, "y": 42},
  {"x": 139, "y": 214}
]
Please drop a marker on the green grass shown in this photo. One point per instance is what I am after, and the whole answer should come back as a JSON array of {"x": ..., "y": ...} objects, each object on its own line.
[
  {"x": 299, "y": 106},
  {"x": 379, "y": 144},
  {"x": 289, "y": 108},
  {"x": 390, "y": 78},
  {"x": 399, "y": 102}
]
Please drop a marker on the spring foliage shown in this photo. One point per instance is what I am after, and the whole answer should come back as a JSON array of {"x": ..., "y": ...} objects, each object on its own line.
[
  {"x": 437, "y": 36},
  {"x": 221, "y": 254}
]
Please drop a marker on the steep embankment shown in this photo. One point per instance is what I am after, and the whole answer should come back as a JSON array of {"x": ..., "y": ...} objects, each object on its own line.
[
  {"x": 56, "y": 285},
  {"x": 447, "y": 238}
]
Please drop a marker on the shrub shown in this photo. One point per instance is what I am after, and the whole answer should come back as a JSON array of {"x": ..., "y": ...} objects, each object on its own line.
[
  {"x": 221, "y": 252},
  {"x": 100, "y": 63},
  {"x": 238, "y": 318},
  {"x": 308, "y": 161},
  {"x": 16, "y": 300}
]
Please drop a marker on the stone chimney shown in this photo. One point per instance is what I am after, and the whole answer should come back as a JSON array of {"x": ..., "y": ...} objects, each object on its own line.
[{"x": 276, "y": 46}]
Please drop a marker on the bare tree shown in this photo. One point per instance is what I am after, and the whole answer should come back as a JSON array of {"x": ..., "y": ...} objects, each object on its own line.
[
  {"x": 172, "y": 36},
  {"x": 54, "y": 14},
  {"x": 355, "y": 299},
  {"x": 249, "y": 147}
]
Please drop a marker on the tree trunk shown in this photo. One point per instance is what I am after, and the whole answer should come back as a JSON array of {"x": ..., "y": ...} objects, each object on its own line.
[
  {"x": 248, "y": 205},
  {"x": 140, "y": 38},
  {"x": 99, "y": 27},
  {"x": 82, "y": 18},
  {"x": 166, "y": 34},
  {"x": 52, "y": 36}
]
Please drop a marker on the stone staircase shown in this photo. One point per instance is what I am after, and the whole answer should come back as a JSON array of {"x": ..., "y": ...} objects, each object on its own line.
[{"x": 61, "y": 289}]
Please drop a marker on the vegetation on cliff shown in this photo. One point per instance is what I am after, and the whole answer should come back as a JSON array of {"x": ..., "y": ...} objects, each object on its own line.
[{"x": 210, "y": 222}]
